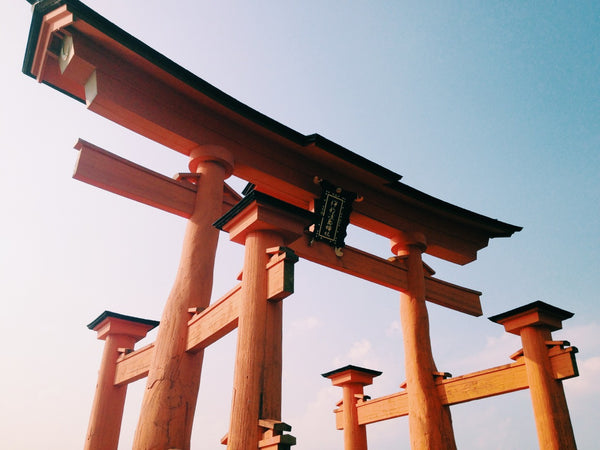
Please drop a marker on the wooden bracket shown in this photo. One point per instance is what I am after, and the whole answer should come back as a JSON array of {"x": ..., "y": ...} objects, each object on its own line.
[
  {"x": 442, "y": 375},
  {"x": 362, "y": 398},
  {"x": 273, "y": 437},
  {"x": 187, "y": 176},
  {"x": 276, "y": 426},
  {"x": 280, "y": 270}
]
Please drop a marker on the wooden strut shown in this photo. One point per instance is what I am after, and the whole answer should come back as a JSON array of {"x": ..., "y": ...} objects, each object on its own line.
[
  {"x": 108, "y": 171},
  {"x": 118, "y": 175},
  {"x": 214, "y": 322},
  {"x": 473, "y": 386}
]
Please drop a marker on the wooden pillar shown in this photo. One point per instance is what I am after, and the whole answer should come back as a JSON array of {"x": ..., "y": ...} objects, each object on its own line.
[
  {"x": 119, "y": 333},
  {"x": 430, "y": 423},
  {"x": 263, "y": 224},
  {"x": 249, "y": 390},
  {"x": 174, "y": 377},
  {"x": 352, "y": 380},
  {"x": 534, "y": 323},
  {"x": 273, "y": 360}
]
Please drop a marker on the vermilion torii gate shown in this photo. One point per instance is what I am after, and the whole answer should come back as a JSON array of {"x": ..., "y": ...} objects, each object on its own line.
[{"x": 78, "y": 52}]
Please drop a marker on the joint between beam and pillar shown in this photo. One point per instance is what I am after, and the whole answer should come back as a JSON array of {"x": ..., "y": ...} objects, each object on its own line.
[{"x": 464, "y": 388}]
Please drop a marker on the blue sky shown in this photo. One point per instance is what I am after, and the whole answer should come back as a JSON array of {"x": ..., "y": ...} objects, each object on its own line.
[{"x": 493, "y": 106}]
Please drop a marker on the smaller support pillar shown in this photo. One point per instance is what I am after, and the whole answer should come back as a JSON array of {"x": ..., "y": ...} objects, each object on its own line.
[
  {"x": 120, "y": 333},
  {"x": 352, "y": 379},
  {"x": 263, "y": 224},
  {"x": 534, "y": 323}
]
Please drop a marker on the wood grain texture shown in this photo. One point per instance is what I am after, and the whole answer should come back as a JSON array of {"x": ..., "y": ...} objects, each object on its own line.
[
  {"x": 391, "y": 274},
  {"x": 465, "y": 388}
]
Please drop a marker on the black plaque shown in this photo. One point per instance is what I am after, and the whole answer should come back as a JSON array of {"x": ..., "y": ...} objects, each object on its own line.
[{"x": 333, "y": 210}]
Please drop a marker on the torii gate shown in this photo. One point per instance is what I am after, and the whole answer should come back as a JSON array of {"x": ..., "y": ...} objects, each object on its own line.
[{"x": 78, "y": 52}]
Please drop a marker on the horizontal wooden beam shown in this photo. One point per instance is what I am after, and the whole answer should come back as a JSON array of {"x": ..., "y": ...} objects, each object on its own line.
[
  {"x": 220, "y": 318},
  {"x": 204, "y": 328},
  {"x": 110, "y": 172},
  {"x": 453, "y": 296},
  {"x": 477, "y": 385},
  {"x": 134, "y": 366},
  {"x": 391, "y": 274},
  {"x": 214, "y": 322}
]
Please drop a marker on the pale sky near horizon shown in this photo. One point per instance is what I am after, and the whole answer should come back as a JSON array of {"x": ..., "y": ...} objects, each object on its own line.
[{"x": 492, "y": 106}]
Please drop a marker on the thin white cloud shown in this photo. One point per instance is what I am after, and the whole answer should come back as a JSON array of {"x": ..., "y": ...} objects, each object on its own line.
[
  {"x": 586, "y": 383},
  {"x": 394, "y": 329},
  {"x": 361, "y": 354},
  {"x": 360, "y": 349},
  {"x": 316, "y": 423},
  {"x": 305, "y": 324}
]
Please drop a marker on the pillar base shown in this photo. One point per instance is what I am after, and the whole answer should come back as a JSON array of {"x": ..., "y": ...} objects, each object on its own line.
[{"x": 272, "y": 436}]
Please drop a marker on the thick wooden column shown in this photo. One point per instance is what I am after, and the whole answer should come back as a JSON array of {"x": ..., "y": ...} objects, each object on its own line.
[
  {"x": 251, "y": 397},
  {"x": 352, "y": 380},
  {"x": 534, "y": 323},
  {"x": 120, "y": 333},
  {"x": 430, "y": 423},
  {"x": 263, "y": 224},
  {"x": 174, "y": 378}
]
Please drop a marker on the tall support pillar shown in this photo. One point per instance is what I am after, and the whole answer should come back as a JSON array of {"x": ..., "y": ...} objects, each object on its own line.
[
  {"x": 174, "y": 377},
  {"x": 120, "y": 333},
  {"x": 352, "y": 380},
  {"x": 263, "y": 224},
  {"x": 251, "y": 398},
  {"x": 430, "y": 422},
  {"x": 534, "y": 323}
]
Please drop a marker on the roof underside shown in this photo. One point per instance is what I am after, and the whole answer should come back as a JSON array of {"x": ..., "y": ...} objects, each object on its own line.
[{"x": 279, "y": 160}]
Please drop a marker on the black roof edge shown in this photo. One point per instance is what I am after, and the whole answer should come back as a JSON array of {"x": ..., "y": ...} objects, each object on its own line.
[
  {"x": 80, "y": 10},
  {"x": 496, "y": 227},
  {"x": 263, "y": 198},
  {"x": 538, "y": 304},
  {"x": 106, "y": 314},
  {"x": 348, "y": 155},
  {"x": 374, "y": 373}
]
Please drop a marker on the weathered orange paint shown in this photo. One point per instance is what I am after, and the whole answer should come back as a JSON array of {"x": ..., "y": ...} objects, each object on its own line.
[
  {"x": 252, "y": 397},
  {"x": 535, "y": 325},
  {"x": 430, "y": 423},
  {"x": 174, "y": 377},
  {"x": 263, "y": 228},
  {"x": 83, "y": 55},
  {"x": 109, "y": 400},
  {"x": 131, "y": 86},
  {"x": 352, "y": 381},
  {"x": 465, "y": 388}
]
